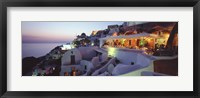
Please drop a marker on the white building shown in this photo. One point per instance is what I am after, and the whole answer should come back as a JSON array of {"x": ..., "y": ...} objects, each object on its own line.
[
  {"x": 125, "y": 24},
  {"x": 67, "y": 47},
  {"x": 72, "y": 56},
  {"x": 81, "y": 59}
]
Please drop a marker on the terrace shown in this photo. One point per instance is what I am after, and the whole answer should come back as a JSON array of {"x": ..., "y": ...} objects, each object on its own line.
[{"x": 151, "y": 44}]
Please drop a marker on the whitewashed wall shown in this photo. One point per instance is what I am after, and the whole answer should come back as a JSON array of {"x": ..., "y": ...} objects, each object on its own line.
[{"x": 66, "y": 59}]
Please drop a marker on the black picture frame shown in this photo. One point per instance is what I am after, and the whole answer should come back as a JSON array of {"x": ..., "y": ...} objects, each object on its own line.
[{"x": 98, "y": 3}]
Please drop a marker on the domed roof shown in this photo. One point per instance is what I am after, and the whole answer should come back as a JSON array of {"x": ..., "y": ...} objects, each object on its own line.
[{"x": 83, "y": 34}]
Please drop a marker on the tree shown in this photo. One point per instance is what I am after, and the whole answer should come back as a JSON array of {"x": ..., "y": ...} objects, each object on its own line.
[{"x": 171, "y": 37}]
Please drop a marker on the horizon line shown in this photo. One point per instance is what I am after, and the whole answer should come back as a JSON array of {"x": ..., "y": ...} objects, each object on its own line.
[{"x": 45, "y": 42}]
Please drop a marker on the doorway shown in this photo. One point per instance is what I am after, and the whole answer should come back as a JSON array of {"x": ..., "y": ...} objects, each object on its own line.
[{"x": 72, "y": 59}]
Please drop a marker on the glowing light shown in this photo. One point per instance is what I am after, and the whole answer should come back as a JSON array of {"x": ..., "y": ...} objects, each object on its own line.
[
  {"x": 144, "y": 48},
  {"x": 122, "y": 41},
  {"x": 111, "y": 51},
  {"x": 114, "y": 34},
  {"x": 166, "y": 35},
  {"x": 94, "y": 32},
  {"x": 136, "y": 47},
  {"x": 67, "y": 47},
  {"x": 142, "y": 42},
  {"x": 72, "y": 46},
  {"x": 145, "y": 52},
  {"x": 74, "y": 73},
  {"x": 160, "y": 41},
  {"x": 92, "y": 44}
]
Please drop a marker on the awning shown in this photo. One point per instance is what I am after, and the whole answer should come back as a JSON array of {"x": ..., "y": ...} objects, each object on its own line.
[{"x": 130, "y": 36}]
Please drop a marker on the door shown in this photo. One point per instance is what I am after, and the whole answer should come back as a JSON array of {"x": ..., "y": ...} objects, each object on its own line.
[{"x": 72, "y": 59}]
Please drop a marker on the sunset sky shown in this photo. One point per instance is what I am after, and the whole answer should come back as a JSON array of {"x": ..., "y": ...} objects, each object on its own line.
[{"x": 43, "y": 32}]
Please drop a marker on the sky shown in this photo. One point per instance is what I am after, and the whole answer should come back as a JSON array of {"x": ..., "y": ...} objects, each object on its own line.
[{"x": 46, "y": 32}]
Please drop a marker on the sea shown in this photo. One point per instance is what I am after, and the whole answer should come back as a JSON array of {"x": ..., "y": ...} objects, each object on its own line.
[{"x": 37, "y": 49}]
